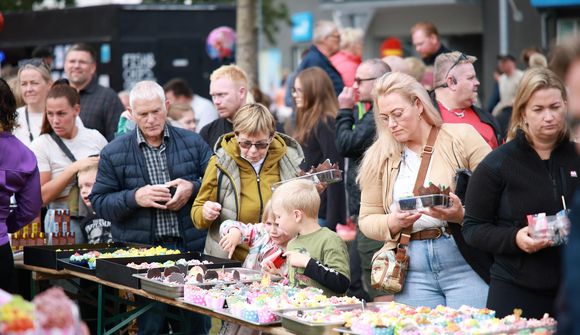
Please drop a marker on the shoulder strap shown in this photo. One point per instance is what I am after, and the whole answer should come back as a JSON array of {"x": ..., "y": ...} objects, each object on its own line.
[
  {"x": 405, "y": 236},
  {"x": 62, "y": 146}
]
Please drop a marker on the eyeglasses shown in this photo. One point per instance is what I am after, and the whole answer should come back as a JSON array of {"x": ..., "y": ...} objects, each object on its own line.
[
  {"x": 258, "y": 145},
  {"x": 395, "y": 116},
  {"x": 360, "y": 80},
  {"x": 31, "y": 61},
  {"x": 462, "y": 57}
]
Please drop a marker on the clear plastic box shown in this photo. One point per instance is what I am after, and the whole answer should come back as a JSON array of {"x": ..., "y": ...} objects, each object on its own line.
[
  {"x": 326, "y": 176},
  {"x": 552, "y": 227},
  {"x": 422, "y": 202}
]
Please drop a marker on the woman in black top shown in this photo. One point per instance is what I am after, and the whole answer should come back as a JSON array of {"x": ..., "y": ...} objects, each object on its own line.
[
  {"x": 316, "y": 108},
  {"x": 534, "y": 172}
]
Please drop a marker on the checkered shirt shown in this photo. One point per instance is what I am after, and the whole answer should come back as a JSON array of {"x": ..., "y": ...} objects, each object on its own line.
[{"x": 167, "y": 222}]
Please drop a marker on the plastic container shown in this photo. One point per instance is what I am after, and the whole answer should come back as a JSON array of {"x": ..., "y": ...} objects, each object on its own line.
[
  {"x": 422, "y": 202},
  {"x": 552, "y": 227},
  {"x": 327, "y": 176}
]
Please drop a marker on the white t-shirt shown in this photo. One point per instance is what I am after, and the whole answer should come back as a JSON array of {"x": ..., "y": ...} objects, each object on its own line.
[
  {"x": 410, "y": 163},
  {"x": 205, "y": 111},
  {"x": 51, "y": 158},
  {"x": 21, "y": 132}
]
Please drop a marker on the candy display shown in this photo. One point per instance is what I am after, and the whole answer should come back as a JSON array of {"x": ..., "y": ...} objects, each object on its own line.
[
  {"x": 91, "y": 257},
  {"x": 181, "y": 261}
]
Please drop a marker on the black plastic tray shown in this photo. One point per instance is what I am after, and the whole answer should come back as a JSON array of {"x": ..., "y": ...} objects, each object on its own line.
[
  {"x": 47, "y": 256},
  {"x": 116, "y": 270},
  {"x": 65, "y": 263}
]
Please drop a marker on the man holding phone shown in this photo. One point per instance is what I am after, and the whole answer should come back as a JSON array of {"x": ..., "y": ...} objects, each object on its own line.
[{"x": 146, "y": 184}]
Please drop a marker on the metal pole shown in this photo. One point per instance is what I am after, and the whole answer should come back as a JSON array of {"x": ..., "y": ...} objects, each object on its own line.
[{"x": 503, "y": 28}]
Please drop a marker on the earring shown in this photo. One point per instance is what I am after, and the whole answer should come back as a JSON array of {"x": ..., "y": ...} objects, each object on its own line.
[{"x": 420, "y": 116}]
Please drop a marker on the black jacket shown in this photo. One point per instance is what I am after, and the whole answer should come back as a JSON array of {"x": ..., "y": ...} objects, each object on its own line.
[
  {"x": 352, "y": 143},
  {"x": 510, "y": 183}
]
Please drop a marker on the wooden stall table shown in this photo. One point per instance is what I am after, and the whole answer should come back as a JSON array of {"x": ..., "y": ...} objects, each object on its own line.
[{"x": 40, "y": 273}]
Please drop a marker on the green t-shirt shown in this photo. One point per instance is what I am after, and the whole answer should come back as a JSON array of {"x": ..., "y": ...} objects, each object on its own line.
[{"x": 324, "y": 246}]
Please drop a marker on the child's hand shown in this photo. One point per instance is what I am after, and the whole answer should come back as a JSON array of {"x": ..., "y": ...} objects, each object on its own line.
[
  {"x": 231, "y": 240},
  {"x": 297, "y": 259},
  {"x": 269, "y": 267}
]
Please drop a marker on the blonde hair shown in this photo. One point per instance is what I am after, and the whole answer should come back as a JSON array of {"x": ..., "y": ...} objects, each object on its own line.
[
  {"x": 538, "y": 60},
  {"x": 385, "y": 145},
  {"x": 298, "y": 195},
  {"x": 177, "y": 111},
  {"x": 416, "y": 67},
  {"x": 319, "y": 99},
  {"x": 443, "y": 64},
  {"x": 231, "y": 72},
  {"x": 254, "y": 119},
  {"x": 92, "y": 167},
  {"x": 350, "y": 36},
  {"x": 534, "y": 79},
  {"x": 268, "y": 212}
]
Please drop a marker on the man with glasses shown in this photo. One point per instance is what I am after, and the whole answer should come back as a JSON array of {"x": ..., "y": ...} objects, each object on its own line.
[
  {"x": 146, "y": 184},
  {"x": 100, "y": 106},
  {"x": 326, "y": 42},
  {"x": 355, "y": 132},
  {"x": 455, "y": 93}
]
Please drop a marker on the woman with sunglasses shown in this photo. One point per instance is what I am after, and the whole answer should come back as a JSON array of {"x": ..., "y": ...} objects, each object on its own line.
[
  {"x": 34, "y": 82},
  {"x": 19, "y": 178},
  {"x": 438, "y": 274},
  {"x": 238, "y": 180},
  {"x": 60, "y": 132},
  {"x": 316, "y": 108}
]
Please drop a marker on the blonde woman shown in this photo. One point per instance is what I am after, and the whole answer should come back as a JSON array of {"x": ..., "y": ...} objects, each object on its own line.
[{"x": 404, "y": 115}]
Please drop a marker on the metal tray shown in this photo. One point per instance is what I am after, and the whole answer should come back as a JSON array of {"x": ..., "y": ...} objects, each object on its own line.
[
  {"x": 423, "y": 201},
  {"x": 327, "y": 176},
  {"x": 300, "y": 326},
  {"x": 227, "y": 312},
  {"x": 257, "y": 276},
  {"x": 171, "y": 291}
]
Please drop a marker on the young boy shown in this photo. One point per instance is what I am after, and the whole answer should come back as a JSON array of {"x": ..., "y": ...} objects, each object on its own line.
[
  {"x": 317, "y": 256},
  {"x": 97, "y": 230}
]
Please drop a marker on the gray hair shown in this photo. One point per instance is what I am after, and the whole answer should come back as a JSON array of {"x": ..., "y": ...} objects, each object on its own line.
[
  {"x": 146, "y": 90},
  {"x": 377, "y": 66},
  {"x": 322, "y": 30},
  {"x": 444, "y": 63}
]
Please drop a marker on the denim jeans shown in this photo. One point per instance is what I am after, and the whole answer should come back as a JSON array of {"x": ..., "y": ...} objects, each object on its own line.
[
  {"x": 439, "y": 275},
  {"x": 153, "y": 321}
]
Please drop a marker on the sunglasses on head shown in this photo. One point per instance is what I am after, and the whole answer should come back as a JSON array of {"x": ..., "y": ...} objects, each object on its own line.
[
  {"x": 462, "y": 57},
  {"x": 258, "y": 145},
  {"x": 31, "y": 61}
]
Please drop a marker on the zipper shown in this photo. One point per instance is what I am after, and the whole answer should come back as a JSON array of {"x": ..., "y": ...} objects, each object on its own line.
[{"x": 259, "y": 190}]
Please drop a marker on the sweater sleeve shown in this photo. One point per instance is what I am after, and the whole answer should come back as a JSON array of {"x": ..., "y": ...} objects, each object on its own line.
[
  {"x": 353, "y": 142},
  {"x": 29, "y": 202},
  {"x": 207, "y": 192},
  {"x": 480, "y": 228},
  {"x": 332, "y": 279}
]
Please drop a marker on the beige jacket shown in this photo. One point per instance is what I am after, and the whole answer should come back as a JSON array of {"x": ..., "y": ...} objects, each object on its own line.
[{"x": 457, "y": 146}]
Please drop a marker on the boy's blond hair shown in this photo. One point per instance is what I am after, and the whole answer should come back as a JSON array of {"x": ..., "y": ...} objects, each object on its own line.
[
  {"x": 298, "y": 195},
  {"x": 177, "y": 111},
  {"x": 231, "y": 72},
  {"x": 93, "y": 167},
  {"x": 254, "y": 119}
]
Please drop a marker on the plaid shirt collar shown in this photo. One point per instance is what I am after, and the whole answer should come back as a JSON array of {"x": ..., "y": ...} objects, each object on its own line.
[
  {"x": 91, "y": 86},
  {"x": 141, "y": 138}
]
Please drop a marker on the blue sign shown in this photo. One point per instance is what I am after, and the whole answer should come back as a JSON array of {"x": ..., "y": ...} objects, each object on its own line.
[
  {"x": 2, "y": 56},
  {"x": 554, "y": 3},
  {"x": 302, "y": 27}
]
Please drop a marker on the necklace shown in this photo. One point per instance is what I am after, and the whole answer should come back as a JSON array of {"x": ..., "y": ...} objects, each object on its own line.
[{"x": 459, "y": 114}]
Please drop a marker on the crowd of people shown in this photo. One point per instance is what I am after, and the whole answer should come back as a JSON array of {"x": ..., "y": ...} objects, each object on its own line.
[{"x": 161, "y": 165}]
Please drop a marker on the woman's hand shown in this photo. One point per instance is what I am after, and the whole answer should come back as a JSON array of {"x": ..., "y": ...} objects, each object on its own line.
[
  {"x": 454, "y": 213},
  {"x": 528, "y": 244},
  {"x": 211, "y": 210},
  {"x": 231, "y": 240},
  {"x": 403, "y": 219},
  {"x": 82, "y": 163}
]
